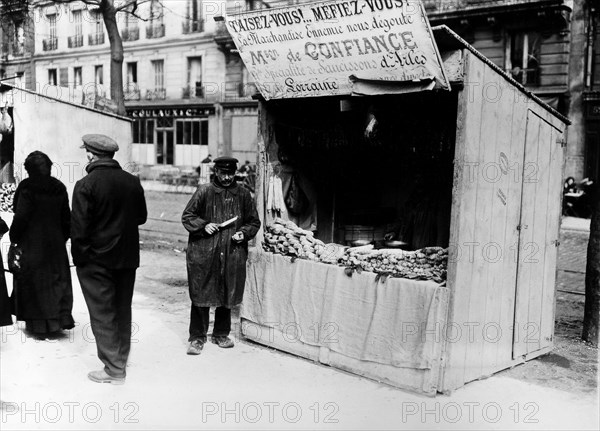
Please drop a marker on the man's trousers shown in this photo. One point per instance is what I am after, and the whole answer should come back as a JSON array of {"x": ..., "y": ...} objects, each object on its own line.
[
  {"x": 108, "y": 294},
  {"x": 199, "y": 322}
]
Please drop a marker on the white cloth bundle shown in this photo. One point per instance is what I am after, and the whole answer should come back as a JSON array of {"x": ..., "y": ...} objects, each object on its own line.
[
  {"x": 275, "y": 201},
  {"x": 6, "y": 122}
]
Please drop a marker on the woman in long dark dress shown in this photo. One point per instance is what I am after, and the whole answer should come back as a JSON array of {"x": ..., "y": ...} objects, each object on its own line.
[
  {"x": 42, "y": 293},
  {"x": 5, "y": 314}
]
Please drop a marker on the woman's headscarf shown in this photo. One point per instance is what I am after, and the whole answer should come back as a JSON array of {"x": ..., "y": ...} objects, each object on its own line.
[{"x": 38, "y": 164}]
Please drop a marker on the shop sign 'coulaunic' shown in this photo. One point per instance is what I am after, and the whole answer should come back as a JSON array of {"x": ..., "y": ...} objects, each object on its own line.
[{"x": 313, "y": 49}]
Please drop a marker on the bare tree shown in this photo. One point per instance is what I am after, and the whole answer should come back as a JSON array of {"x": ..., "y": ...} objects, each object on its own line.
[
  {"x": 108, "y": 9},
  {"x": 591, "y": 313}
]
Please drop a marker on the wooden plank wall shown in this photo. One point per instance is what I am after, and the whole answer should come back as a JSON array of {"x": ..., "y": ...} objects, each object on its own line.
[
  {"x": 483, "y": 41},
  {"x": 485, "y": 214},
  {"x": 554, "y": 61},
  {"x": 534, "y": 308},
  {"x": 556, "y": 162}
]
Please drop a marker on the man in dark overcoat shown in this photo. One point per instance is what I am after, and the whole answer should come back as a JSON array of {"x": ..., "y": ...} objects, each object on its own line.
[
  {"x": 217, "y": 252},
  {"x": 108, "y": 207}
]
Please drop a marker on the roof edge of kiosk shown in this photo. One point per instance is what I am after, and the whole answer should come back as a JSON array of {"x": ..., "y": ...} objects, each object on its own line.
[
  {"x": 5, "y": 87},
  {"x": 445, "y": 37}
]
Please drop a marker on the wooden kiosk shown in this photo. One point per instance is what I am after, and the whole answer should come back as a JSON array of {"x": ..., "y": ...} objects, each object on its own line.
[{"x": 495, "y": 150}]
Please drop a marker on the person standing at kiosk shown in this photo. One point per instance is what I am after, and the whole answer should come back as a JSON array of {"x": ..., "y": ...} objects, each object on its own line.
[{"x": 221, "y": 218}]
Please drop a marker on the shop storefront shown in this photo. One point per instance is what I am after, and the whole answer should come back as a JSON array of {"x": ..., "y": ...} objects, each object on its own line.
[{"x": 172, "y": 135}]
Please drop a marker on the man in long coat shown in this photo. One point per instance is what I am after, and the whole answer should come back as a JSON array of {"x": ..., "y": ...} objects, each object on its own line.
[
  {"x": 217, "y": 252},
  {"x": 108, "y": 206}
]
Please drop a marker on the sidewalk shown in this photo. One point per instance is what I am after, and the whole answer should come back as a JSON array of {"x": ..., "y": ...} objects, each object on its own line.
[{"x": 44, "y": 385}]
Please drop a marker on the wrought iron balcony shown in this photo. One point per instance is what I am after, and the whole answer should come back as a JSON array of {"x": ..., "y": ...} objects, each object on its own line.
[
  {"x": 96, "y": 39},
  {"x": 222, "y": 37},
  {"x": 75, "y": 41},
  {"x": 50, "y": 44},
  {"x": 193, "y": 91},
  {"x": 130, "y": 34},
  {"x": 157, "y": 93},
  {"x": 154, "y": 31},
  {"x": 15, "y": 49},
  {"x": 193, "y": 26},
  {"x": 131, "y": 92}
]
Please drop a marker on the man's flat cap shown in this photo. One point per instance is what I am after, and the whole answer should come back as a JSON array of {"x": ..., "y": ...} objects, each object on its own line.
[
  {"x": 97, "y": 143},
  {"x": 226, "y": 163}
]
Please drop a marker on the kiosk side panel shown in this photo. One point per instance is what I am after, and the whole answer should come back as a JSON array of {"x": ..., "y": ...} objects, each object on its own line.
[
  {"x": 467, "y": 139},
  {"x": 486, "y": 207},
  {"x": 534, "y": 308}
]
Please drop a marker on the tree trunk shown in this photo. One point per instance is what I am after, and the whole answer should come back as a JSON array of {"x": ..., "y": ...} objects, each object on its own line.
[
  {"x": 591, "y": 313},
  {"x": 116, "y": 55}
]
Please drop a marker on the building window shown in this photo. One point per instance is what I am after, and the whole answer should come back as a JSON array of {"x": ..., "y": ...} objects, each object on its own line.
[
  {"x": 132, "y": 92},
  {"x": 131, "y": 73},
  {"x": 76, "y": 40},
  {"x": 194, "y": 78},
  {"x": 523, "y": 57},
  {"x": 193, "y": 20},
  {"x": 158, "y": 73},
  {"x": 77, "y": 76},
  {"x": 18, "y": 45},
  {"x": 155, "y": 27},
  {"x": 158, "y": 79},
  {"x": 52, "y": 76},
  {"x": 63, "y": 76},
  {"x": 131, "y": 21},
  {"x": 52, "y": 25},
  {"x": 99, "y": 75},
  {"x": 98, "y": 25},
  {"x": 156, "y": 12},
  {"x": 51, "y": 43},
  {"x": 131, "y": 31},
  {"x": 97, "y": 36},
  {"x": 143, "y": 131},
  {"x": 192, "y": 132},
  {"x": 77, "y": 23}
]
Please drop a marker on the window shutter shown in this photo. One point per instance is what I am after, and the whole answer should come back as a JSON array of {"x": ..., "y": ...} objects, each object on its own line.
[{"x": 64, "y": 77}]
